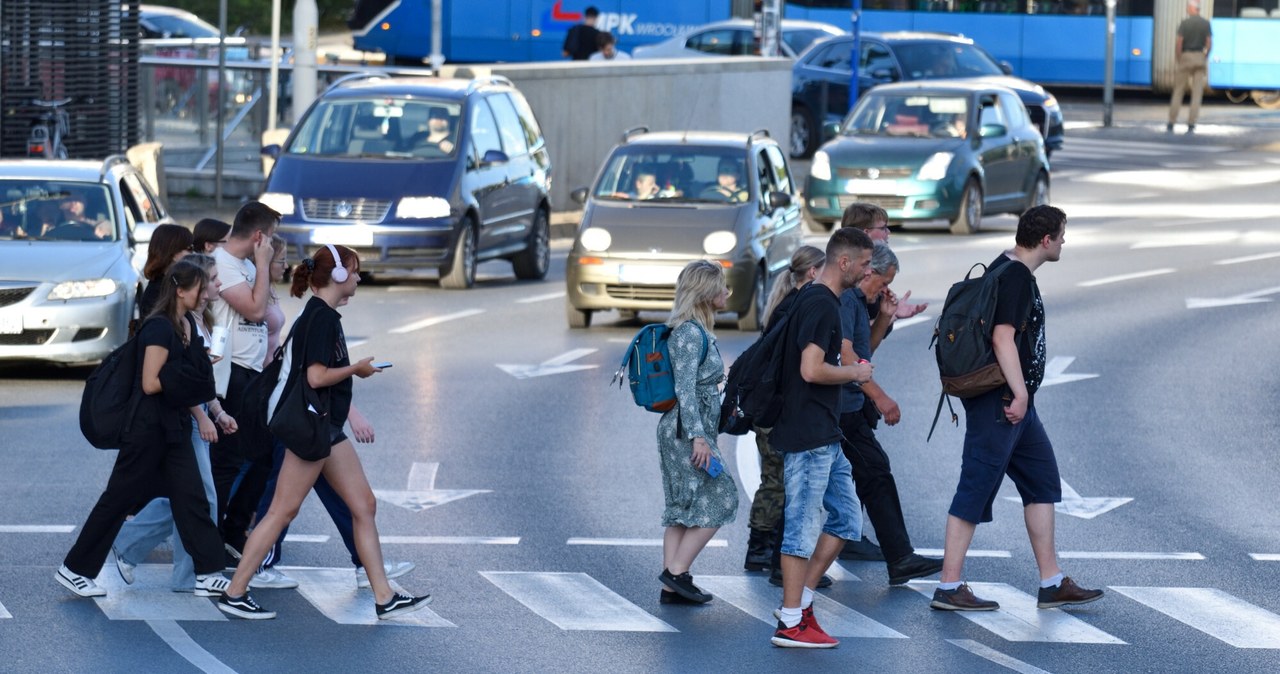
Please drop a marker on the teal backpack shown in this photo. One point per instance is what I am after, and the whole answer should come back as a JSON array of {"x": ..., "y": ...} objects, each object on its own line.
[{"x": 647, "y": 368}]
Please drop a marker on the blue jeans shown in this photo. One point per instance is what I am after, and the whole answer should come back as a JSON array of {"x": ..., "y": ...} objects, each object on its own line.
[
  {"x": 815, "y": 480},
  {"x": 337, "y": 508},
  {"x": 154, "y": 523}
]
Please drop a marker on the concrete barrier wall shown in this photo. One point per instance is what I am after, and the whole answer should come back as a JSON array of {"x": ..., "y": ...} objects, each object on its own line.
[{"x": 584, "y": 107}]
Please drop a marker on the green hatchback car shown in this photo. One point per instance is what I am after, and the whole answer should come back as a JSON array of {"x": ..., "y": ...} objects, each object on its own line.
[{"x": 941, "y": 150}]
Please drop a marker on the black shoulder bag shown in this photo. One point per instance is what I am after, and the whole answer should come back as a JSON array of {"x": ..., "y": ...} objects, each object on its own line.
[{"x": 301, "y": 419}]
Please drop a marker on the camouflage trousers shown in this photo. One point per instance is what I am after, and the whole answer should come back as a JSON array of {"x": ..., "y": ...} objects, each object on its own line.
[{"x": 766, "y": 507}]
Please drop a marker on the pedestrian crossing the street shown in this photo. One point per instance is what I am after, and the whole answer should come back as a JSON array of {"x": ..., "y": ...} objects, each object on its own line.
[{"x": 1019, "y": 620}]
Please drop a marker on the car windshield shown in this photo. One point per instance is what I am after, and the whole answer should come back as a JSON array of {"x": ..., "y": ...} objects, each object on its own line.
[
  {"x": 800, "y": 39},
  {"x": 53, "y": 210},
  {"x": 937, "y": 60},
  {"x": 383, "y": 127},
  {"x": 674, "y": 174},
  {"x": 909, "y": 114},
  {"x": 178, "y": 26}
]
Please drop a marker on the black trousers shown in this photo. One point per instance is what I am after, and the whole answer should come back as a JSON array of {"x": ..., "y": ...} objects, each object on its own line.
[
  {"x": 230, "y": 459},
  {"x": 148, "y": 467},
  {"x": 875, "y": 485}
]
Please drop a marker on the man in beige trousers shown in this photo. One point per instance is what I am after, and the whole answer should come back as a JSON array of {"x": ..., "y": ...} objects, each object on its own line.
[{"x": 1195, "y": 38}]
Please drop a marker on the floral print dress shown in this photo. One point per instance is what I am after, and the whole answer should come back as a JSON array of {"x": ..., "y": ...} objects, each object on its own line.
[{"x": 694, "y": 498}]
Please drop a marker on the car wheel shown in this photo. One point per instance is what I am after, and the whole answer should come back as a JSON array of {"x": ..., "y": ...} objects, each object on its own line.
[
  {"x": 749, "y": 320},
  {"x": 1267, "y": 100},
  {"x": 460, "y": 272},
  {"x": 803, "y": 134},
  {"x": 969, "y": 219},
  {"x": 578, "y": 318},
  {"x": 531, "y": 264},
  {"x": 1040, "y": 192}
]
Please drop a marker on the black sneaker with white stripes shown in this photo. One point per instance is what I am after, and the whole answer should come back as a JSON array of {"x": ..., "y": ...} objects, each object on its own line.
[
  {"x": 401, "y": 604},
  {"x": 244, "y": 607},
  {"x": 81, "y": 585}
]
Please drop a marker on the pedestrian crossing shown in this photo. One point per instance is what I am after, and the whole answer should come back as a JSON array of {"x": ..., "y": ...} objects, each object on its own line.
[{"x": 577, "y": 601}]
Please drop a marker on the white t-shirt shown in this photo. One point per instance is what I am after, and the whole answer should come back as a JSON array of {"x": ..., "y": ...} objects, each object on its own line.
[
  {"x": 246, "y": 340},
  {"x": 618, "y": 55}
]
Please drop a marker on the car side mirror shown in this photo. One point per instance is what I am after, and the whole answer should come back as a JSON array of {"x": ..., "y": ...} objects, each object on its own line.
[
  {"x": 779, "y": 200},
  {"x": 1006, "y": 67},
  {"x": 579, "y": 195},
  {"x": 829, "y": 131},
  {"x": 495, "y": 157},
  {"x": 272, "y": 151},
  {"x": 993, "y": 130},
  {"x": 882, "y": 75}
]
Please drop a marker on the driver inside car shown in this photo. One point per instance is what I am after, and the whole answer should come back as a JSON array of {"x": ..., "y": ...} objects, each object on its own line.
[
  {"x": 728, "y": 185},
  {"x": 439, "y": 132}
]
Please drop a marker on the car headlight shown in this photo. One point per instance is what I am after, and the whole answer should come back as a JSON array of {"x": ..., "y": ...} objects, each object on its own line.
[
  {"x": 936, "y": 167},
  {"x": 1050, "y": 102},
  {"x": 821, "y": 167},
  {"x": 279, "y": 202},
  {"x": 719, "y": 243},
  {"x": 74, "y": 290},
  {"x": 422, "y": 207},
  {"x": 596, "y": 239}
]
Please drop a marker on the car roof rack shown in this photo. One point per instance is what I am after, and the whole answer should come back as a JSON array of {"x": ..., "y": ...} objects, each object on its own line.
[
  {"x": 478, "y": 82},
  {"x": 112, "y": 161},
  {"x": 626, "y": 135},
  {"x": 758, "y": 133},
  {"x": 353, "y": 77}
]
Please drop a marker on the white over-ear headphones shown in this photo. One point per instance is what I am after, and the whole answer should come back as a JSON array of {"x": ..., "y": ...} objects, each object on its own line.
[{"x": 339, "y": 273}]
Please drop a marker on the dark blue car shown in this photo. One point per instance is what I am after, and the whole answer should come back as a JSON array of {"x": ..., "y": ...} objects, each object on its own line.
[
  {"x": 820, "y": 80},
  {"x": 418, "y": 173}
]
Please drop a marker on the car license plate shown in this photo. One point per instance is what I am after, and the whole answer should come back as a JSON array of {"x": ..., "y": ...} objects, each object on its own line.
[
  {"x": 11, "y": 325},
  {"x": 350, "y": 235},
  {"x": 649, "y": 274}
]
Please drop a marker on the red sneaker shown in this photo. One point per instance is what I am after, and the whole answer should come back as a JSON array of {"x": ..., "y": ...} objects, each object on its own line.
[
  {"x": 807, "y": 619},
  {"x": 802, "y": 636}
]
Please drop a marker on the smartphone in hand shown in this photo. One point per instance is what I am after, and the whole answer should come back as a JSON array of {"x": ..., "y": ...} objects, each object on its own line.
[
  {"x": 381, "y": 366},
  {"x": 714, "y": 468}
]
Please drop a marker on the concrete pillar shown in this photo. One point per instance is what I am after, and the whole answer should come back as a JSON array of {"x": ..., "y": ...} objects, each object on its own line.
[{"x": 305, "y": 20}]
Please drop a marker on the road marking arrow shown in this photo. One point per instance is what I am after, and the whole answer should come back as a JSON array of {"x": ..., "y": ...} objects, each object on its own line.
[
  {"x": 557, "y": 365},
  {"x": 1055, "y": 372},
  {"x": 1255, "y": 297},
  {"x": 1075, "y": 505},
  {"x": 421, "y": 492}
]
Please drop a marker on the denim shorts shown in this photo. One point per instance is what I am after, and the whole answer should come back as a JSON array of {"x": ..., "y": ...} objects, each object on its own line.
[
  {"x": 816, "y": 480},
  {"x": 994, "y": 448}
]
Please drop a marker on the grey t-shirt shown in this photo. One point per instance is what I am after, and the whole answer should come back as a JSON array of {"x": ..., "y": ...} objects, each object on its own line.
[{"x": 1195, "y": 33}]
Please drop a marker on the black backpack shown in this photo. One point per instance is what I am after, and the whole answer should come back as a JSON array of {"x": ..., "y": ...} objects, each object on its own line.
[
  {"x": 111, "y": 396},
  {"x": 961, "y": 340},
  {"x": 752, "y": 394}
]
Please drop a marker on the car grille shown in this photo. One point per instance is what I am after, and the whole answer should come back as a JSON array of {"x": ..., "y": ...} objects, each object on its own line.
[
  {"x": 26, "y": 338},
  {"x": 13, "y": 295},
  {"x": 1038, "y": 118},
  {"x": 645, "y": 293},
  {"x": 888, "y": 203},
  {"x": 345, "y": 210},
  {"x": 879, "y": 173}
]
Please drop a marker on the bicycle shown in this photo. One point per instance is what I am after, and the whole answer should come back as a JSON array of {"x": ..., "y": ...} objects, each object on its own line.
[{"x": 48, "y": 130}]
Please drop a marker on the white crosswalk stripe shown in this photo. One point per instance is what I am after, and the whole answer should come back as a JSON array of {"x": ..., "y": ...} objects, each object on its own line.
[
  {"x": 150, "y": 597},
  {"x": 757, "y": 598},
  {"x": 575, "y": 601},
  {"x": 1019, "y": 620},
  {"x": 333, "y": 592},
  {"x": 4, "y": 613},
  {"x": 1214, "y": 612},
  {"x": 1091, "y": 148}
]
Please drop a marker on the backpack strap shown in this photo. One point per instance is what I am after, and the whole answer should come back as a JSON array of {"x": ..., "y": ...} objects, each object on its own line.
[{"x": 938, "y": 412}]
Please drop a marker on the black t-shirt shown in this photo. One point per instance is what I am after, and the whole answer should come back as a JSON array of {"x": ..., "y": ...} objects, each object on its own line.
[
  {"x": 326, "y": 344},
  {"x": 581, "y": 42},
  {"x": 147, "y": 300},
  {"x": 1018, "y": 304},
  {"x": 810, "y": 412},
  {"x": 781, "y": 310},
  {"x": 1195, "y": 32}
]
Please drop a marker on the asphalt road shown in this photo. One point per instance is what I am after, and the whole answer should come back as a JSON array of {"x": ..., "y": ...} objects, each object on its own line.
[{"x": 1161, "y": 325}]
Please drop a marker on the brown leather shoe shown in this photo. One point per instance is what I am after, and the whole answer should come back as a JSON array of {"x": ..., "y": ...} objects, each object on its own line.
[
  {"x": 1066, "y": 593},
  {"x": 960, "y": 599}
]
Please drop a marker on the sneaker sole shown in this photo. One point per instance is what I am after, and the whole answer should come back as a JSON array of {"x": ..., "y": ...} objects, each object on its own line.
[
  {"x": 207, "y": 593},
  {"x": 407, "y": 609},
  {"x": 781, "y": 642},
  {"x": 231, "y": 610},
  {"x": 273, "y": 586},
  {"x": 79, "y": 593},
  {"x": 364, "y": 584},
  {"x": 943, "y": 606},
  {"x": 1056, "y": 604},
  {"x": 695, "y": 598}
]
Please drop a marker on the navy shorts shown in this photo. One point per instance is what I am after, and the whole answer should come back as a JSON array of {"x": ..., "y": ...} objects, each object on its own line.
[{"x": 994, "y": 448}]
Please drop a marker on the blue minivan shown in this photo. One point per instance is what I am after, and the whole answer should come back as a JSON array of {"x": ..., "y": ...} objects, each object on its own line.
[{"x": 418, "y": 173}]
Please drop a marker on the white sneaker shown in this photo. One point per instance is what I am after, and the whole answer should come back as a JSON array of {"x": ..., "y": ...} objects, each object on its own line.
[
  {"x": 393, "y": 569},
  {"x": 212, "y": 585},
  {"x": 271, "y": 579},
  {"x": 81, "y": 585},
  {"x": 125, "y": 568}
]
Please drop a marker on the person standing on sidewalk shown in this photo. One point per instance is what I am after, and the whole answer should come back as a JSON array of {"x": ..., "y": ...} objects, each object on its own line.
[
  {"x": 816, "y": 475},
  {"x": 1191, "y": 53},
  {"x": 1003, "y": 434}
]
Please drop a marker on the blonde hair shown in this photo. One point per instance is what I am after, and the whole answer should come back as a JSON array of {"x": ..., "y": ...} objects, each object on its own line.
[
  {"x": 802, "y": 262},
  {"x": 697, "y": 288}
]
